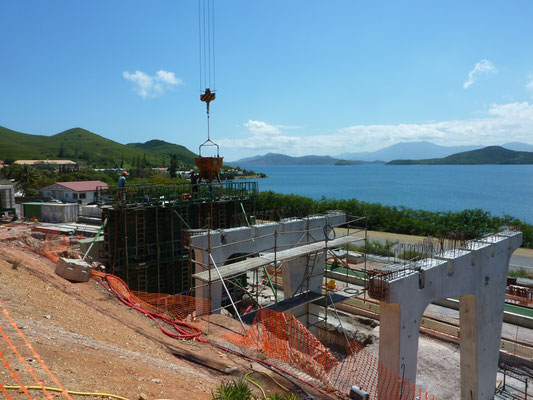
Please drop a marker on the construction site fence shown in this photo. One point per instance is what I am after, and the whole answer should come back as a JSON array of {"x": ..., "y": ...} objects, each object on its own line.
[
  {"x": 179, "y": 192},
  {"x": 54, "y": 246},
  {"x": 284, "y": 338},
  {"x": 23, "y": 374},
  {"x": 175, "y": 306}
]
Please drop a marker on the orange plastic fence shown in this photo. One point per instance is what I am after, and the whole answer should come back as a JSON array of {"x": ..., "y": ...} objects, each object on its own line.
[
  {"x": 21, "y": 366},
  {"x": 175, "y": 306},
  {"x": 284, "y": 338},
  {"x": 54, "y": 245}
]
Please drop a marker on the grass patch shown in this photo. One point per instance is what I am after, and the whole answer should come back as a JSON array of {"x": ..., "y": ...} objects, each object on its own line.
[
  {"x": 239, "y": 390},
  {"x": 521, "y": 273},
  {"x": 375, "y": 247}
]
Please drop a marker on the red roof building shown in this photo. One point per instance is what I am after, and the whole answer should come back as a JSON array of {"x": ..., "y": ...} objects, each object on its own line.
[{"x": 74, "y": 192}]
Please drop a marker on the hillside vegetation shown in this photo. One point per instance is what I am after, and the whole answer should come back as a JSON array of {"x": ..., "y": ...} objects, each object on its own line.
[
  {"x": 487, "y": 155},
  {"x": 472, "y": 223},
  {"x": 79, "y": 144},
  {"x": 163, "y": 149}
]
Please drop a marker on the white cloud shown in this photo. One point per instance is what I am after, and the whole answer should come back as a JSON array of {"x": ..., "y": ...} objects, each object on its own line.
[
  {"x": 500, "y": 124},
  {"x": 152, "y": 86},
  {"x": 484, "y": 67},
  {"x": 529, "y": 84},
  {"x": 261, "y": 128}
]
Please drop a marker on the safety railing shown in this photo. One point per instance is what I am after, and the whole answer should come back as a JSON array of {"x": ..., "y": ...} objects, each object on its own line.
[{"x": 180, "y": 192}]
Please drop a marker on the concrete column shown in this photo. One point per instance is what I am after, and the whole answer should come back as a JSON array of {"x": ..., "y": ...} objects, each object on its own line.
[
  {"x": 398, "y": 341},
  {"x": 468, "y": 346},
  {"x": 303, "y": 274}
]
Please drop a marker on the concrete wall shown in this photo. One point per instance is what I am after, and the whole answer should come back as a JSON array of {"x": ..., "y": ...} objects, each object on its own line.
[
  {"x": 7, "y": 196},
  {"x": 262, "y": 238},
  {"x": 51, "y": 212},
  {"x": 478, "y": 276},
  {"x": 91, "y": 211}
]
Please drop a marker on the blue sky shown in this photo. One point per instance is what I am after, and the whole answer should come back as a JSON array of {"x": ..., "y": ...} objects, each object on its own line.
[{"x": 295, "y": 77}]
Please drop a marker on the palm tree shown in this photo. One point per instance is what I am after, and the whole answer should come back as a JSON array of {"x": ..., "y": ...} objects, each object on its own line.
[{"x": 26, "y": 177}]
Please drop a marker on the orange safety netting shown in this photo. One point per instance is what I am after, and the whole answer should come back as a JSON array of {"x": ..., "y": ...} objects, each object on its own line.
[
  {"x": 21, "y": 366},
  {"x": 175, "y": 306},
  {"x": 53, "y": 246},
  {"x": 284, "y": 338}
]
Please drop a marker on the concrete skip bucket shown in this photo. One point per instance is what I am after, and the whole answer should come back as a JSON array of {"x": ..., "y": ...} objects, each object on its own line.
[{"x": 209, "y": 167}]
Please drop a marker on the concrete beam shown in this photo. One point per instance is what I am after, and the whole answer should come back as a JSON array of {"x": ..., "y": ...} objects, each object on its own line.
[{"x": 478, "y": 276}]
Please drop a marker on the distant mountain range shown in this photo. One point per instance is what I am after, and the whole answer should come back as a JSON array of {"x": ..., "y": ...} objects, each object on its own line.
[
  {"x": 79, "y": 144},
  {"x": 400, "y": 151},
  {"x": 487, "y": 155},
  {"x": 422, "y": 150},
  {"x": 282, "y": 159}
]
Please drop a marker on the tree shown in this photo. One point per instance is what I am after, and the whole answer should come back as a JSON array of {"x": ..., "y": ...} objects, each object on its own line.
[
  {"x": 173, "y": 166},
  {"x": 122, "y": 161},
  {"x": 26, "y": 177},
  {"x": 61, "y": 152}
]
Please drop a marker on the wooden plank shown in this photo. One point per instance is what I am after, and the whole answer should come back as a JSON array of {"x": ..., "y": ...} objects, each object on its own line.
[{"x": 241, "y": 267}]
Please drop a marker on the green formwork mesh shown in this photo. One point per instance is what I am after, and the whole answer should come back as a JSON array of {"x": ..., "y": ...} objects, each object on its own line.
[{"x": 145, "y": 245}]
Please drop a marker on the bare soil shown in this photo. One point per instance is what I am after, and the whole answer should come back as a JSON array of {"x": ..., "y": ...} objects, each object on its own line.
[{"x": 94, "y": 343}]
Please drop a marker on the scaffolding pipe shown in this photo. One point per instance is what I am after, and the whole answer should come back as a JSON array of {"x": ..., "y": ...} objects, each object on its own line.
[
  {"x": 227, "y": 291},
  {"x": 182, "y": 220},
  {"x": 269, "y": 281},
  {"x": 95, "y": 238}
]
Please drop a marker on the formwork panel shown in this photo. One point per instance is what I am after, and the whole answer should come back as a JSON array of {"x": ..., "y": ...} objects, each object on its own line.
[{"x": 144, "y": 245}]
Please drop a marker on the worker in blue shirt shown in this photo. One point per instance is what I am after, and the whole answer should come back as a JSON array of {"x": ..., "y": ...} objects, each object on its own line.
[
  {"x": 121, "y": 192},
  {"x": 122, "y": 180}
]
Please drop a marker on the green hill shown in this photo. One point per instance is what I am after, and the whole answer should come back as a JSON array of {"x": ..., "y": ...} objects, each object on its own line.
[
  {"x": 487, "y": 155},
  {"x": 164, "y": 149},
  {"x": 82, "y": 145}
]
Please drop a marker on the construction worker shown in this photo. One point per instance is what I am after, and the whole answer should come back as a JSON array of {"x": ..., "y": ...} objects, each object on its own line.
[
  {"x": 122, "y": 185},
  {"x": 122, "y": 179}
]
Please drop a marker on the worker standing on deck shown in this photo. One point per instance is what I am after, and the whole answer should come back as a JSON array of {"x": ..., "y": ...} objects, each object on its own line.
[{"x": 122, "y": 185}]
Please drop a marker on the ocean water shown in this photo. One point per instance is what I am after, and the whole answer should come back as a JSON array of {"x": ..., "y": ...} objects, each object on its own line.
[{"x": 500, "y": 189}]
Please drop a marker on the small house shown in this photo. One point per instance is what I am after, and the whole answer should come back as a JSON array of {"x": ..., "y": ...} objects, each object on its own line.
[{"x": 74, "y": 192}]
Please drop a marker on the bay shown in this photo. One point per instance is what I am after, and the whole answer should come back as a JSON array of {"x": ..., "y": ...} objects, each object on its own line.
[{"x": 500, "y": 189}]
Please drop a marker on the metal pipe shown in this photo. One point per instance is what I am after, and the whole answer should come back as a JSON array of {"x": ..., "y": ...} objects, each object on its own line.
[{"x": 227, "y": 291}]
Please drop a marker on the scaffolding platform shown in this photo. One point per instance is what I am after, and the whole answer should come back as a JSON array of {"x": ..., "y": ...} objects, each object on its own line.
[
  {"x": 241, "y": 267},
  {"x": 285, "y": 305}
]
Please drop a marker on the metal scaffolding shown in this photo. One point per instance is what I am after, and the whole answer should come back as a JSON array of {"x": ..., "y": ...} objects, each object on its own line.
[
  {"x": 245, "y": 276},
  {"x": 147, "y": 224}
]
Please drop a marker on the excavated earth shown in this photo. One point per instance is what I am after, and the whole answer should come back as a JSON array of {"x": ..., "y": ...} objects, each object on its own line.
[{"x": 92, "y": 342}]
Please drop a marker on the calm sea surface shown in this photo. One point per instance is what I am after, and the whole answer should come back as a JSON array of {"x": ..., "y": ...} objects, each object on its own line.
[{"x": 500, "y": 189}]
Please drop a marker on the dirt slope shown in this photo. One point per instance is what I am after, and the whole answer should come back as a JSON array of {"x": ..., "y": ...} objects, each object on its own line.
[{"x": 92, "y": 342}]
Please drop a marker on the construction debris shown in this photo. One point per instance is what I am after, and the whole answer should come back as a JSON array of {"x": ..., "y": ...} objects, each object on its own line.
[{"x": 74, "y": 270}]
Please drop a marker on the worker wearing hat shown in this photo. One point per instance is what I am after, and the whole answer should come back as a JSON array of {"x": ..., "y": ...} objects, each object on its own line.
[
  {"x": 122, "y": 179},
  {"x": 121, "y": 192}
]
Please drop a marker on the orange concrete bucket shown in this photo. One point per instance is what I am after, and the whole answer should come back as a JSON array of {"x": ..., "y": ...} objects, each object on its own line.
[{"x": 209, "y": 167}]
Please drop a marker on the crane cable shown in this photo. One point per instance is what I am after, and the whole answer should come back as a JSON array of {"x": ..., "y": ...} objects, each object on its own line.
[
  {"x": 206, "y": 50},
  {"x": 206, "y": 44}
]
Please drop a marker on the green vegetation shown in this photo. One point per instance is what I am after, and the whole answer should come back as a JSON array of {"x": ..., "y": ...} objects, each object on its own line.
[
  {"x": 470, "y": 223},
  {"x": 521, "y": 273},
  {"x": 487, "y": 155},
  {"x": 163, "y": 149},
  {"x": 90, "y": 149},
  {"x": 376, "y": 248},
  {"x": 239, "y": 390},
  {"x": 83, "y": 146},
  {"x": 30, "y": 179}
]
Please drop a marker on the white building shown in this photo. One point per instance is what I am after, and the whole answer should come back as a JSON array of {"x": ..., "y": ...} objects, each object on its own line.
[
  {"x": 73, "y": 192},
  {"x": 60, "y": 165}
]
